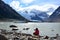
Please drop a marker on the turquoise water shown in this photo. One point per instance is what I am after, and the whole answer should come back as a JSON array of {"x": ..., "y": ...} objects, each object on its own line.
[{"x": 50, "y": 29}]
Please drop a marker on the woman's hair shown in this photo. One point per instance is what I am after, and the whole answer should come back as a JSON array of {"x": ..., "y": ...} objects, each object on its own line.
[{"x": 36, "y": 29}]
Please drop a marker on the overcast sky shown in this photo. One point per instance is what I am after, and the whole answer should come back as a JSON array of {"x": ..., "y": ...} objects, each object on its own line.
[{"x": 42, "y": 5}]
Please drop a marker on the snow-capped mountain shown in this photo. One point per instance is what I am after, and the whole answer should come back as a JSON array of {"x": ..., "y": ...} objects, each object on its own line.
[
  {"x": 39, "y": 14},
  {"x": 34, "y": 15}
]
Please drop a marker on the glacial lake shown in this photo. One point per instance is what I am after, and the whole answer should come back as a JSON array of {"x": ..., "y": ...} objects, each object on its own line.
[{"x": 50, "y": 29}]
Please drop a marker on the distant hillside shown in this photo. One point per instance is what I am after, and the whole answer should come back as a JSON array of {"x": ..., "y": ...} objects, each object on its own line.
[
  {"x": 55, "y": 17},
  {"x": 7, "y": 13},
  {"x": 39, "y": 15},
  {"x": 35, "y": 15}
]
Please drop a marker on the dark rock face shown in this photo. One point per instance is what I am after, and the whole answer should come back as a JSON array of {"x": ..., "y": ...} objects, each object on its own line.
[
  {"x": 3, "y": 37},
  {"x": 39, "y": 15},
  {"x": 6, "y": 12},
  {"x": 55, "y": 17}
]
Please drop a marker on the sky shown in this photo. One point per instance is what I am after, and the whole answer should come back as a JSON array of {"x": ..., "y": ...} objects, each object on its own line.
[{"x": 42, "y": 5}]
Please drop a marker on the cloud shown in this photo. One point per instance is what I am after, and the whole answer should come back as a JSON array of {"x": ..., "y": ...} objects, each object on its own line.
[
  {"x": 27, "y": 1},
  {"x": 46, "y": 7},
  {"x": 43, "y": 7},
  {"x": 15, "y": 5}
]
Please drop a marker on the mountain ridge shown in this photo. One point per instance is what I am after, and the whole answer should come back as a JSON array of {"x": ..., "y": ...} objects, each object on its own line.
[{"x": 7, "y": 12}]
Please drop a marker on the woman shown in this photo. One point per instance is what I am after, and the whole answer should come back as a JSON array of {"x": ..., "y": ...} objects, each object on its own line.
[{"x": 36, "y": 32}]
